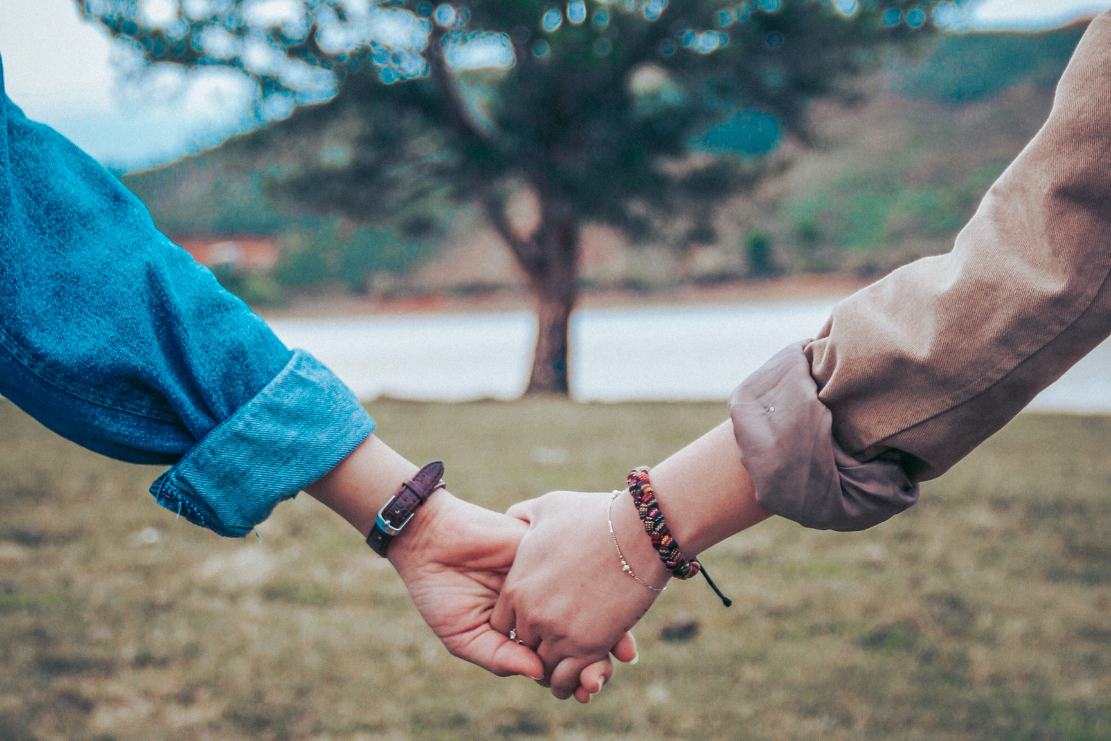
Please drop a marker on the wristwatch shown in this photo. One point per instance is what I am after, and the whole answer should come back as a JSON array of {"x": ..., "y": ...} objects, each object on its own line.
[{"x": 396, "y": 513}]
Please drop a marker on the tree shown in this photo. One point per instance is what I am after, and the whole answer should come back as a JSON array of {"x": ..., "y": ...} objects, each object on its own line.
[{"x": 590, "y": 105}]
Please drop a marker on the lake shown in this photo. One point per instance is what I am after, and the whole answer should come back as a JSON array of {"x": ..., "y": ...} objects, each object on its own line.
[{"x": 668, "y": 353}]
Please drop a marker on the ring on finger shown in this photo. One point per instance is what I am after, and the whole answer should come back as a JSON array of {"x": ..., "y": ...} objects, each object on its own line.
[{"x": 513, "y": 637}]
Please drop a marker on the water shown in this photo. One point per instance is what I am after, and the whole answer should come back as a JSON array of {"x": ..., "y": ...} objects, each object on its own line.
[{"x": 691, "y": 353}]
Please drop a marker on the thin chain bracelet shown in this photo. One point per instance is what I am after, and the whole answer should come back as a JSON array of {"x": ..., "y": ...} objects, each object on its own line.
[{"x": 625, "y": 564}]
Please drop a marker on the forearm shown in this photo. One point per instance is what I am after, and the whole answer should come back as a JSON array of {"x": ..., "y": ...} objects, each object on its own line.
[
  {"x": 940, "y": 354},
  {"x": 363, "y": 482},
  {"x": 913, "y": 372},
  {"x": 115, "y": 338},
  {"x": 705, "y": 493}
]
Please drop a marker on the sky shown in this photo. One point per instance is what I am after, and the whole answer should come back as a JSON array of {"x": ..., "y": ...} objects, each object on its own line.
[
  {"x": 77, "y": 88},
  {"x": 80, "y": 90},
  {"x": 1034, "y": 14}
]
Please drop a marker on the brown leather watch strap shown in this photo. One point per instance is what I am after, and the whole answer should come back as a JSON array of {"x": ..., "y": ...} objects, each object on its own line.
[{"x": 396, "y": 513}]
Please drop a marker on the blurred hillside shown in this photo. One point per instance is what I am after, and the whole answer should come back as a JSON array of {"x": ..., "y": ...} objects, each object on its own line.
[{"x": 891, "y": 180}]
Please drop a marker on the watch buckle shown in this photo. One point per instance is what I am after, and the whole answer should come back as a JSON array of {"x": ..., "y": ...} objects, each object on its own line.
[{"x": 387, "y": 527}]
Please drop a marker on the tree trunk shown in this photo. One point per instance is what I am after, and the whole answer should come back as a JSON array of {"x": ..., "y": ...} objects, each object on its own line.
[
  {"x": 554, "y": 281},
  {"x": 555, "y": 300},
  {"x": 550, "y": 258}
]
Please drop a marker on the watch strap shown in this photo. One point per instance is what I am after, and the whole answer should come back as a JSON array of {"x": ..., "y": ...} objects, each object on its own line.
[{"x": 395, "y": 514}]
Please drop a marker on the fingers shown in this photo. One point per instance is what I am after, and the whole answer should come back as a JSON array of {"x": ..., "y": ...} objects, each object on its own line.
[
  {"x": 503, "y": 618},
  {"x": 565, "y": 676},
  {"x": 592, "y": 679},
  {"x": 497, "y": 654},
  {"x": 626, "y": 650}
]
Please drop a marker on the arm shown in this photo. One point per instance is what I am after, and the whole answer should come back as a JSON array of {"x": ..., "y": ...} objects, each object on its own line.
[
  {"x": 453, "y": 556},
  {"x": 906, "y": 378},
  {"x": 913, "y": 372},
  {"x": 115, "y": 338},
  {"x": 567, "y": 594}
]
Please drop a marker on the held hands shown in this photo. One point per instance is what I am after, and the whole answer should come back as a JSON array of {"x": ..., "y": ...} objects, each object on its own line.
[
  {"x": 454, "y": 558},
  {"x": 567, "y": 594}
]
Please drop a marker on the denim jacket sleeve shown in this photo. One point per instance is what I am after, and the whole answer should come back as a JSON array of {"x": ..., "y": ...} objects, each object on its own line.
[{"x": 113, "y": 337}]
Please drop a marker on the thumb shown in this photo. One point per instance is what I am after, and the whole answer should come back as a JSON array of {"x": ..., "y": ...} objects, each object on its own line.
[
  {"x": 507, "y": 530},
  {"x": 496, "y": 653},
  {"x": 514, "y": 658}
]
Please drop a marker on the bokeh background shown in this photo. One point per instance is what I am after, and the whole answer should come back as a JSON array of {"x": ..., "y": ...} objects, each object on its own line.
[{"x": 709, "y": 178}]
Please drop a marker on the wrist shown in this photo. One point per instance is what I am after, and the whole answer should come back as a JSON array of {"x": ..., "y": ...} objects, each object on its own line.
[
  {"x": 635, "y": 543},
  {"x": 358, "y": 487},
  {"x": 419, "y": 532},
  {"x": 704, "y": 492}
]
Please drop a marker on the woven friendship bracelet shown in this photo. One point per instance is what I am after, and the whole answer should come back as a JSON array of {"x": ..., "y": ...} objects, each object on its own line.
[
  {"x": 645, "y": 499},
  {"x": 654, "y": 524}
]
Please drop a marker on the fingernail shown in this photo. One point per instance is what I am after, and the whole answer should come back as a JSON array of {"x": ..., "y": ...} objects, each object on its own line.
[
  {"x": 601, "y": 684},
  {"x": 536, "y": 678},
  {"x": 635, "y": 658}
]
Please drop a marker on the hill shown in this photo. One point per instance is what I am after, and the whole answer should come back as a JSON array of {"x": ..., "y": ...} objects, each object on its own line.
[{"x": 893, "y": 179}]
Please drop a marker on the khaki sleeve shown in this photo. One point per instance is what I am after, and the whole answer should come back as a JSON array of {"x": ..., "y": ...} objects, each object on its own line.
[{"x": 919, "y": 368}]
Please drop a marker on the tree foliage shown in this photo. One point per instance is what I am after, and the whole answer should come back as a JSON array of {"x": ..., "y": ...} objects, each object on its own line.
[{"x": 592, "y": 105}]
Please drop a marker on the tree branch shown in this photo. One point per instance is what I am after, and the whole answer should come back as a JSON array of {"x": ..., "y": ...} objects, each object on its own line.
[
  {"x": 526, "y": 251},
  {"x": 462, "y": 119}
]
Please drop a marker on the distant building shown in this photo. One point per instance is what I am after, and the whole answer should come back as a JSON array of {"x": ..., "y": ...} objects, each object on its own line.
[{"x": 243, "y": 254}]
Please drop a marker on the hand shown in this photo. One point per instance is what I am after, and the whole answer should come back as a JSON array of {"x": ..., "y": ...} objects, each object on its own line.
[
  {"x": 453, "y": 557},
  {"x": 567, "y": 594}
]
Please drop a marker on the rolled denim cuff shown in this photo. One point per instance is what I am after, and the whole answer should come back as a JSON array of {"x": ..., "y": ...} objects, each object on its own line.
[
  {"x": 785, "y": 435},
  {"x": 295, "y": 430}
]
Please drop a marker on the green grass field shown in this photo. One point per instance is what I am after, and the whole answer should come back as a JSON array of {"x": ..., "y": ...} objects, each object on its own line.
[{"x": 982, "y": 613}]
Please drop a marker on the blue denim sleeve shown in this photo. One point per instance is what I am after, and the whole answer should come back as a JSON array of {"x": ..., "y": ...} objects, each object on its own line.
[{"x": 113, "y": 337}]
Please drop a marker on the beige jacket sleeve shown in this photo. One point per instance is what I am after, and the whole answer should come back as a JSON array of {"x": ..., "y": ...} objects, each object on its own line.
[{"x": 914, "y": 371}]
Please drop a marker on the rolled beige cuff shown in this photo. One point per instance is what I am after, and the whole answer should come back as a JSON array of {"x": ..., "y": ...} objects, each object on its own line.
[{"x": 785, "y": 435}]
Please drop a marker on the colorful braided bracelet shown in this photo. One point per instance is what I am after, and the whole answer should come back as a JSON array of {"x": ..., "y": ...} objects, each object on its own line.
[{"x": 644, "y": 497}]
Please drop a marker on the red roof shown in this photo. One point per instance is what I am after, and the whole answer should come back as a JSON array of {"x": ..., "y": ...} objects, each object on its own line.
[{"x": 250, "y": 254}]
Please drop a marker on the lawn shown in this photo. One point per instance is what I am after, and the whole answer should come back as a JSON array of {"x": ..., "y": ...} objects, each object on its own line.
[{"x": 982, "y": 613}]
